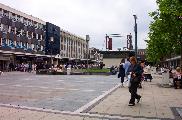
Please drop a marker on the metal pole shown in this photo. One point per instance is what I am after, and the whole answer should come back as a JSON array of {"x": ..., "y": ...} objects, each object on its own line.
[
  {"x": 87, "y": 57},
  {"x": 135, "y": 29},
  {"x": 51, "y": 42},
  {"x": 87, "y": 41},
  {"x": 51, "y": 55}
]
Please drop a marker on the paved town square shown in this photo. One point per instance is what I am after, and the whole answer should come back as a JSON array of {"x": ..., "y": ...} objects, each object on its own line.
[
  {"x": 157, "y": 103},
  {"x": 59, "y": 92}
]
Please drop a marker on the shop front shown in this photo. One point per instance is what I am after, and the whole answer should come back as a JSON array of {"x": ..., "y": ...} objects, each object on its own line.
[{"x": 4, "y": 62}]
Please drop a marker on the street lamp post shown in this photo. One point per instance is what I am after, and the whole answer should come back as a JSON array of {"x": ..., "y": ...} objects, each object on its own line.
[
  {"x": 87, "y": 41},
  {"x": 51, "y": 42},
  {"x": 135, "y": 29}
]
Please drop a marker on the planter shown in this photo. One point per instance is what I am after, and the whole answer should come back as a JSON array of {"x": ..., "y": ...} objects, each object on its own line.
[
  {"x": 49, "y": 72},
  {"x": 91, "y": 73}
]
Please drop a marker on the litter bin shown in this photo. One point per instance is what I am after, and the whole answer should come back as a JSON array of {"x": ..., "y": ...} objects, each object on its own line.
[
  {"x": 68, "y": 71},
  {"x": 165, "y": 78}
]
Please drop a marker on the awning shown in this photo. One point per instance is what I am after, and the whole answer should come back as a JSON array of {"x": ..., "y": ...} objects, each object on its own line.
[
  {"x": 7, "y": 52},
  {"x": 84, "y": 59},
  {"x": 65, "y": 57},
  {"x": 19, "y": 53},
  {"x": 72, "y": 58},
  {"x": 29, "y": 54},
  {"x": 174, "y": 58},
  {"x": 48, "y": 56},
  {"x": 39, "y": 55},
  {"x": 58, "y": 56}
]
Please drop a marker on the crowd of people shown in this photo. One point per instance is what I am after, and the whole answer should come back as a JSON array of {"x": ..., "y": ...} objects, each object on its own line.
[
  {"x": 32, "y": 67},
  {"x": 23, "y": 67}
]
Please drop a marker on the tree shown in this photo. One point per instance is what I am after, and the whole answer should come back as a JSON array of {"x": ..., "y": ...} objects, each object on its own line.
[{"x": 165, "y": 35}]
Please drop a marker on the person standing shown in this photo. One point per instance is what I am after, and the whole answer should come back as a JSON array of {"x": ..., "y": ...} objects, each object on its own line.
[
  {"x": 142, "y": 64},
  {"x": 136, "y": 72},
  {"x": 126, "y": 65},
  {"x": 177, "y": 78},
  {"x": 121, "y": 72}
]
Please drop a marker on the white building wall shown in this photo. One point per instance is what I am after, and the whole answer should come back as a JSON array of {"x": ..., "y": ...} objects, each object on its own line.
[
  {"x": 73, "y": 46},
  {"x": 111, "y": 61}
]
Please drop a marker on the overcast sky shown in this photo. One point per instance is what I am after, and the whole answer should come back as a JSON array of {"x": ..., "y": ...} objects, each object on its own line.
[{"x": 93, "y": 17}]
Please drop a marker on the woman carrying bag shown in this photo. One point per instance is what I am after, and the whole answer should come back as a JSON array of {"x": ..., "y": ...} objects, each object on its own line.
[{"x": 135, "y": 71}]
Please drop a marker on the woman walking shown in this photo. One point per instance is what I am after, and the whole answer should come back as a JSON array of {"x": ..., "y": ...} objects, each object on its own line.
[
  {"x": 121, "y": 72},
  {"x": 135, "y": 71}
]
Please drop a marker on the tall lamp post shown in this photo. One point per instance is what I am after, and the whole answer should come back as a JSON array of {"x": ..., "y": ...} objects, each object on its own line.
[
  {"x": 87, "y": 41},
  {"x": 135, "y": 29},
  {"x": 51, "y": 42}
]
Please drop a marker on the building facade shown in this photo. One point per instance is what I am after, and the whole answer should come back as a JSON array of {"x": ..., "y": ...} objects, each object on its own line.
[
  {"x": 20, "y": 35},
  {"x": 72, "y": 46},
  {"x": 52, "y": 47},
  {"x": 113, "y": 58},
  {"x": 141, "y": 54},
  {"x": 24, "y": 38}
]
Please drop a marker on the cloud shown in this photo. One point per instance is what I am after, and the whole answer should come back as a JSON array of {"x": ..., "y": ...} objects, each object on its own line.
[{"x": 93, "y": 17}]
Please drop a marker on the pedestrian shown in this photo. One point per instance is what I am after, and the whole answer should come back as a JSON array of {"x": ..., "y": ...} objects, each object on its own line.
[
  {"x": 142, "y": 64},
  {"x": 121, "y": 73},
  {"x": 135, "y": 71},
  {"x": 177, "y": 78},
  {"x": 126, "y": 65}
]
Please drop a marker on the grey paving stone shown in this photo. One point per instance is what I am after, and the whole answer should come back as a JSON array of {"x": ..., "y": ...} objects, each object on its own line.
[{"x": 60, "y": 92}]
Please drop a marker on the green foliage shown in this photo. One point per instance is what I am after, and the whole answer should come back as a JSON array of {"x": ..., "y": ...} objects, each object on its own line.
[
  {"x": 96, "y": 70},
  {"x": 165, "y": 36}
]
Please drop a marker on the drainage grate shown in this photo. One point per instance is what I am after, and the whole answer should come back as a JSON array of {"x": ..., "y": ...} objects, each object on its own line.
[{"x": 179, "y": 111}]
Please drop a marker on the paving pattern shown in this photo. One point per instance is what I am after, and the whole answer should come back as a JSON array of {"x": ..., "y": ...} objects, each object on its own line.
[
  {"x": 156, "y": 102},
  {"x": 59, "y": 92}
]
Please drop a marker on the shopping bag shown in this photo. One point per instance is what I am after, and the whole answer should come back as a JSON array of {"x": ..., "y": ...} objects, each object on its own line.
[{"x": 128, "y": 84}]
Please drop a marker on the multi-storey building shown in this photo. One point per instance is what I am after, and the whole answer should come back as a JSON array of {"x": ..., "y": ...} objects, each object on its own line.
[
  {"x": 20, "y": 35},
  {"x": 25, "y": 38},
  {"x": 141, "y": 54},
  {"x": 72, "y": 46},
  {"x": 19, "y": 30}
]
